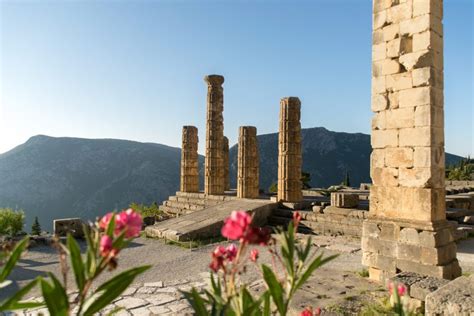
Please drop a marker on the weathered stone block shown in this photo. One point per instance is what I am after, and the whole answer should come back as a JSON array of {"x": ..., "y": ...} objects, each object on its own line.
[
  {"x": 399, "y": 13},
  {"x": 399, "y": 82},
  {"x": 427, "y": 76},
  {"x": 400, "y": 118},
  {"x": 416, "y": 137},
  {"x": 379, "y": 52},
  {"x": 428, "y": 156},
  {"x": 379, "y": 102},
  {"x": 384, "y": 138},
  {"x": 433, "y": 7},
  {"x": 454, "y": 298},
  {"x": 399, "y": 157},
  {"x": 390, "y": 32},
  {"x": 409, "y": 236},
  {"x": 427, "y": 40},
  {"x": 428, "y": 115},
  {"x": 386, "y": 176},
  {"x": 421, "y": 24},
  {"x": 344, "y": 200},
  {"x": 73, "y": 226}
]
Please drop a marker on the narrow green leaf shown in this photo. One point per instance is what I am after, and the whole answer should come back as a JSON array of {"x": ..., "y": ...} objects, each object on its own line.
[
  {"x": 55, "y": 297},
  {"x": 266, "y": 304},
  {"x": 13, "y": 259},
  {"x": 14, "y": 302},
  {"x": 111, "y": 289},
  {"x": 76, "y": 262},
  {"x": 111, "y": 227},
  {"x": 275, "y": 289},
  {"x": 197, "y": 302}
]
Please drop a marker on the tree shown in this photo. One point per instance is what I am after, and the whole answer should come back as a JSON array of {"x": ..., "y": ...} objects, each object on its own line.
[
  {"x": 36, "y": 227},
  {"x": 273, "y": 188},
  {"x": 306, "y": 180},
  {"x": 347, "y": 181}
]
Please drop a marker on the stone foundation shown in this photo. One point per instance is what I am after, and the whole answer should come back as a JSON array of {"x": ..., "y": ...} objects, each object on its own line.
[{"x": 392, "y": 246}]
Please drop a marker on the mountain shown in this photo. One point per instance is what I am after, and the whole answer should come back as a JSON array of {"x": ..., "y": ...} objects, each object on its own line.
[
  {"x": 327, "y": 156},
  {"x": 72, "y": 177},
  {"x": 65, "y": 177}
]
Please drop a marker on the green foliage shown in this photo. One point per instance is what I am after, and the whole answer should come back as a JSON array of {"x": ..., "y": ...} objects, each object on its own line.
[
  {"x": 347, "y": 181},
  {"x": 230, "y": 296},
  {"x": 364, "y": 273},
  {"x": 36, "y": 227},
  {"x": 11, "y": 221},
  {"x": 273, "y": 188},
  {"x": 462, "y": 171},
  {"x": 86, "y": 268},
  {"x": 306, "y": 180},
  {"x": 152, "y": 210},
  {"x": 15, "y": 302}
]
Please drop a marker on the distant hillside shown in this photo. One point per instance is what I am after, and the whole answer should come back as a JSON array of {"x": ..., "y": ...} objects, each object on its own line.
[
  {"x": 327, "y": 156},
  {"x": 72, "y": 177}
]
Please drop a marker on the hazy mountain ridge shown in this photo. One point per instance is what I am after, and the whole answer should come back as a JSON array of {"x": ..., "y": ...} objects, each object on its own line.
[{"x": 64, "y": 177}]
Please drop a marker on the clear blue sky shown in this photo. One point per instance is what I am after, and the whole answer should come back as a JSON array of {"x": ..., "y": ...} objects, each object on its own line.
[{"x": 134, "y": 69}]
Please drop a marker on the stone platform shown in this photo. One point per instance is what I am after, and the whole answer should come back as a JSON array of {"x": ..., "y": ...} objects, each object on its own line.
[{"x": 207, "y": 223}]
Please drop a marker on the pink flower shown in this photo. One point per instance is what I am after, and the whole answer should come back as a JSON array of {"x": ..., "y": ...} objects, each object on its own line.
[
  {"x": 220, "y": 251},
  {"x": 296, "y": 219},
  {"x": 401, "y": 289},
  {"x": 231, "y": 252},
  {"x": 236, "y": 225},
  {"x": 254, "y": 255},
  {"x": 218, "y": 257},
  {"x": 105, "y": 220},
  {"x": 317, "y": 311},
  {"x": 307, "y": 312},
  {"x": 257, "y": 236},
  {"x": 131, "y": 221},
  {"x": 105, "y": 246}
]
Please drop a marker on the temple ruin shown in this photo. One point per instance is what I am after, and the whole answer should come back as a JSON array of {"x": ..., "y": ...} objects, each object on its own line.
[
  {"x": 407, "y": 228},
  {"x": 189, "y": 160},
  {"x": 248, "y": 163}
]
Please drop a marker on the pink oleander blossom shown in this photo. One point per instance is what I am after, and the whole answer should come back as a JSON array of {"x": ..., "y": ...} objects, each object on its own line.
[
  {"x": 236, "y": 225},
  {"x": 131, "y": 221},
  {"x": 105, "y": 246},
  {"x": 254, "y": 255},
  {"x": 296, "y": 219},
  {"x": 231, "y": 252},
  {"x": 401, "y": 289}
]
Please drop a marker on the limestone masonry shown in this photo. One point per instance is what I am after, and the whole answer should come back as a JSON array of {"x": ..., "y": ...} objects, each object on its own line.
[
  {"x": 289, "y": 151},
  {"x": 407, "y": 228},
  {"x": 214, "y": 183},
  {"x": 248, "y": 163},
  {"x": 225, "y": 152},
  {"x": 189, "y": 160}
]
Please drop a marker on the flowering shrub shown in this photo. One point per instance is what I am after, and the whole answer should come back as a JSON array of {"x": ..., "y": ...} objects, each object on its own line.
[
  {"x": 229, "y": 296},
  {"x": 105, "y": 240},
  {"x": 399, "y": 300}
]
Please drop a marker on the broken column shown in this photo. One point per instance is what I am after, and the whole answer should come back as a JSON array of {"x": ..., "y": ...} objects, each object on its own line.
[
  {"x": 248, "y": 163},
  {"x": 225, "y": 153},
  {"x": 214, "y": 162},
  {"x": 407, "y": 229},
  {"x": 289, "y": 151},
  {"x": 189, "y": 160}
]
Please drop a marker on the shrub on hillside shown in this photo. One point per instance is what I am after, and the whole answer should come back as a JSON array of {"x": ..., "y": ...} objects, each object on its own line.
[{"x": 11, "y": 221}]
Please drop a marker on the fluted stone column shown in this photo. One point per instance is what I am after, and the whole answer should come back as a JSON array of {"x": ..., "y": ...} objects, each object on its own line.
[
  {"x": 407, "y": 229},
  {"x": 225, "y": 152},
  {"x": 289, "y": 151},
  {"x": 248, "y": 163},
  {"x": 214, "y": 162},
  {"x": 189, "y": 160}
]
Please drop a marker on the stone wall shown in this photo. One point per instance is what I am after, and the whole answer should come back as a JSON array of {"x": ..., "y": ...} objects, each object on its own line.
[
  {"x": 225, "y": 158},
  {"x": 248, "y": 163},
  {"x": 189, "y": 160}
]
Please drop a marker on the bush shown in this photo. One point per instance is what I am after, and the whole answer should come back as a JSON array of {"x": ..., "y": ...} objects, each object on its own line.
[
  {"x": 273, "y": 188},
  {"x": 36, "y": 227},
  {"x": 147, "y": 211},
  {"x": 11, "y": 222}
]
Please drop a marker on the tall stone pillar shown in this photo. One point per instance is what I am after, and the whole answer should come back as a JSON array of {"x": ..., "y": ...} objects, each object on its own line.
[
  {"x": 214, "y": 162},
  {"x": 189, "y": 160},
  {"x": 248, "y": 163},
  {"x": 407, "y": 228},
  {"x": 289, "y": 151},
  {"x": 225, "y": 157}
]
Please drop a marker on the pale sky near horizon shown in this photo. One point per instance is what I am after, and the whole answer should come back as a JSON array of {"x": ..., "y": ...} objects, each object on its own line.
[{"x": 134, "y": 69}]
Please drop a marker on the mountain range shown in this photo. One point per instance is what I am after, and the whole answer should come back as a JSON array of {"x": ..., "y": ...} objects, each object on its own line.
[{"x": 64, "y": 177}]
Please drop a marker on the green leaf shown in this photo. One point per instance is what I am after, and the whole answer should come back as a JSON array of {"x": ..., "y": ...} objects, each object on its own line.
[
  {"x": 266, "y": 304},
  {"x": 197, "y": 302},
  {"x": 55, "y": 296},
  {"x": 275, "y": 289},
  {"x": 14, "y": 303},
  {"x": 13, "y": 259},
  {"x": 91, "y": 261},
  {"x": 111, "y": 289},
  {"x": 111, "y": 227},
  {"x": 76, "y": 262},
  {"x": 316, "y": 263}
]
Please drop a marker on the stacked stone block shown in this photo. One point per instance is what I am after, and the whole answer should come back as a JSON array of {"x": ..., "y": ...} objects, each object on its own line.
[
  {"x": 189, "y": 160},
  {"x": 248, "y": 163},
  {"x": 407, "y": 162},
  {"x": 225, "y": 152},
  {"x": 289, "y": 151},
  {"x": 214, "y": 161}
]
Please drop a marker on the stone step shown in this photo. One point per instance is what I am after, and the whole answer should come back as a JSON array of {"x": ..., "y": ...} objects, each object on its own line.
[
  {"x": 208, "y": 222},
  {"x": 184, "y": 206}
]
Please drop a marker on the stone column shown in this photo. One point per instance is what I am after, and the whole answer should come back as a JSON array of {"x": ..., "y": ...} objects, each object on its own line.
[
  {"x": 407, "y": 229},
  {"x": 189, "y": 160},
  {"x": 248, "y": 163},
  {"x": 225, "y": 152},
  {"x": 214, "y": 164},
  {"x": 289, "y": 151}
]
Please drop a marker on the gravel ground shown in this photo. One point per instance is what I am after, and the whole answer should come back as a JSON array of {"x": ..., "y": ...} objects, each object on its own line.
[{"x": 337, "y": 285}]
